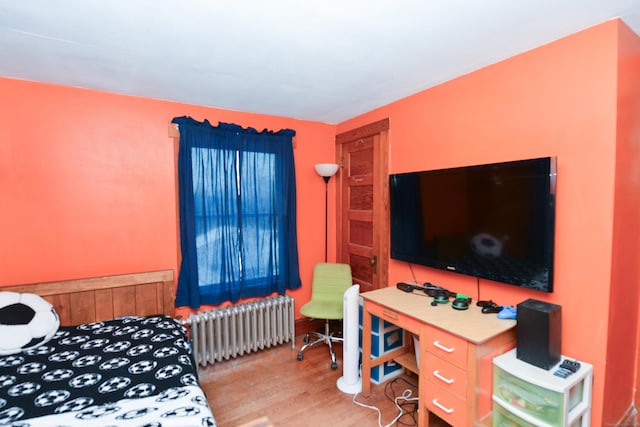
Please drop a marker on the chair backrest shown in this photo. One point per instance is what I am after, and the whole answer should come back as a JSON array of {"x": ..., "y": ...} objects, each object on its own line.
[{"x": 330, "y": 281}]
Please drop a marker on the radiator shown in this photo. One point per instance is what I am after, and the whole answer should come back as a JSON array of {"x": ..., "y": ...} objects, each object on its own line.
[{"x": 232, "y": 331}]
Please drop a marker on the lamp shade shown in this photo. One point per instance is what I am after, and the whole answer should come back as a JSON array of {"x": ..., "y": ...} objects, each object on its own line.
[{"x": 326, "y": 169}]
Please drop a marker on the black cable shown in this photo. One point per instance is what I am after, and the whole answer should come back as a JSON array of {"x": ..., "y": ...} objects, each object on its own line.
[
  {"x": 415, "y": 280},
  {"x": 409, "y": 408}
]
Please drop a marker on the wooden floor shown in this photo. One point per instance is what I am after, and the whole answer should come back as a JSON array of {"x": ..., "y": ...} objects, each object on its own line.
[{"x": 272, "y": 383}]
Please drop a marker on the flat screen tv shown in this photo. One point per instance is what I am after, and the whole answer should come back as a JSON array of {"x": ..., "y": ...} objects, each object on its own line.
[{"x": 491, "y": 221}]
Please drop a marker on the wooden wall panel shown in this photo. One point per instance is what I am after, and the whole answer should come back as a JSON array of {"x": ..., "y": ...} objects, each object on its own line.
[
  {"x": 104, "y": 303},
  {"x": 124, "y": 301},
  {"x": 83, "y": 307},
  {"x": 168, "y": 297},
  {"x": 100, "y": 298},
  {"x": 63, "y": 307},
  {"x": 146, "y": 300}
]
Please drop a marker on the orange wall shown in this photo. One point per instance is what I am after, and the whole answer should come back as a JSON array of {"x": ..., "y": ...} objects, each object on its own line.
[
  {"x": 88, "y": 182},
  {"x": 557, "y": 100}
]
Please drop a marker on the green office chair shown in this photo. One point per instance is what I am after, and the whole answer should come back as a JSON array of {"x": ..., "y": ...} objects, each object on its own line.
[{"x": 330, "y": 281}]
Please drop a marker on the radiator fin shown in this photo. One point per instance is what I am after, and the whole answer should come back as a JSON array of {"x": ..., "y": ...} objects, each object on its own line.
[{"x": 232, "y": 331}]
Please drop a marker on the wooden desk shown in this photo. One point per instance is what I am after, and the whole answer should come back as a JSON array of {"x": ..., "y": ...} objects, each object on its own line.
[{"x": 456, "y": 352}]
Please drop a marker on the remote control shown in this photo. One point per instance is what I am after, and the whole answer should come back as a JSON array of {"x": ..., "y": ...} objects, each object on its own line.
[
  {"x": 570, "y": 365},
  {"x": 562, "y": 373}
]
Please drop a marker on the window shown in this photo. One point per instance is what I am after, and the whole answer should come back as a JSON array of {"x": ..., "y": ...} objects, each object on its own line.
[{"x": 237, "y": 213}]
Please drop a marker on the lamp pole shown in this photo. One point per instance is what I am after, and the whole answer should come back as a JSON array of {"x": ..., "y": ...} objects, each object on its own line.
[
  {"x": 326, "y": 216},
  {"x": 326, "y": 171}
]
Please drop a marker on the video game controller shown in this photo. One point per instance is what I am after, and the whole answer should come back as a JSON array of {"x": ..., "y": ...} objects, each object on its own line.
[
  {"x": 489, "y": 306},
  {"x": 507, "y": 312},
  {"x": 492, "y": 308}
]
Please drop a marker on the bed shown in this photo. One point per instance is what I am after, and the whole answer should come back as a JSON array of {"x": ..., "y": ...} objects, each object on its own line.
[{"x": 118, "y": 358}]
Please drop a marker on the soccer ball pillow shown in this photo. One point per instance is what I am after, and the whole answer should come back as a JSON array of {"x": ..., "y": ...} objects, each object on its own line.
[{"x": 26, "y": 321}]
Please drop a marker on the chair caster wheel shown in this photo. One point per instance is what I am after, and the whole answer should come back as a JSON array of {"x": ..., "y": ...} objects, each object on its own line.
[
  {"x": 300, "y": 356},
  {"x": 306, "y": 338},
  {"x": 334, "y": 365}
]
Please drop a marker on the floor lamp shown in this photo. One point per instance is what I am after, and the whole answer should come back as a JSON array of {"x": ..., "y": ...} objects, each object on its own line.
[{"x": 326, "y": 171}]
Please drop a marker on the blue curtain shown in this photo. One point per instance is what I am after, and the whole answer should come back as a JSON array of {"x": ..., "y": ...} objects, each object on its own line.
[{"x": 237, "y": 198}]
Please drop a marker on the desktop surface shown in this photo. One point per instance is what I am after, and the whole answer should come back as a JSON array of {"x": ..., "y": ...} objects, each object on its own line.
[{"x": 471, "y": 324}]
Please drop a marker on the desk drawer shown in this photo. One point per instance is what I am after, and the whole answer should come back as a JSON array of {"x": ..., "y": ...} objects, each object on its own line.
[
  {"x": 446, "y": 375},
  {"x": 446, "y": 346},
  {"x": 447, "y": 406},
  {"x": 399, "y": 319}
]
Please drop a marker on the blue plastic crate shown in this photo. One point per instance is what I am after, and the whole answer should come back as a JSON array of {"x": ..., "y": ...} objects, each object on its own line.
[
  {"x": 377, "y": 325},
  {"x": 383, "y": 344},
  {"x": 386, "y": 371}
]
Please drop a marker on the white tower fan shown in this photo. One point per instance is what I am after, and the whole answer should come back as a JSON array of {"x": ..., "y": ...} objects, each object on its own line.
[{"x": 350, "y": 381}]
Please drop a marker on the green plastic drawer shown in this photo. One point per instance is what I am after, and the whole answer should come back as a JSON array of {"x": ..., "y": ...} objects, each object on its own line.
[
  {"x": 539, "y": 402},
  {"x": 503, "y": 418}
]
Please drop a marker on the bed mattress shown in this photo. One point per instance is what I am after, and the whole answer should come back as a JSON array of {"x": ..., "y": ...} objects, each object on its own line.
[{"x": 130, "y": 371}]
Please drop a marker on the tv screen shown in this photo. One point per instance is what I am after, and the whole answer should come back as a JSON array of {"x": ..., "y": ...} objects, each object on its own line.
[{"x": 493, "y": 221}]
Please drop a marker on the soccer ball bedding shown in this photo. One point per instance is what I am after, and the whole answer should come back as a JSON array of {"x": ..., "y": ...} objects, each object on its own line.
[{"x": 131, "y": 371}]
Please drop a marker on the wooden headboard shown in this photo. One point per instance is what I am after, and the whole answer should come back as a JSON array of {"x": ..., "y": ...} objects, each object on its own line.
[{"x": 100, "y": 298}]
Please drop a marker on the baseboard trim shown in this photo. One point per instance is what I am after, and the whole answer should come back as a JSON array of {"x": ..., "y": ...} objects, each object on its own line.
[{"x": 304, "y": 325}]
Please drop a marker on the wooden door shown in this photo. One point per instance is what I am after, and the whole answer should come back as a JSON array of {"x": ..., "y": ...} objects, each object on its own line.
[{"x": 363, "y": 204}]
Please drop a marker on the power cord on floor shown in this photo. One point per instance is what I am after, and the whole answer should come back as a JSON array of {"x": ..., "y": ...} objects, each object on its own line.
[
  {"x": 406, "y": 404},
  {"x": 409, "y": 407}
]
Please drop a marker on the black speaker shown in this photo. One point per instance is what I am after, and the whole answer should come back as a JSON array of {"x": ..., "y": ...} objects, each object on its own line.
[{"x": 539, "y": 333}]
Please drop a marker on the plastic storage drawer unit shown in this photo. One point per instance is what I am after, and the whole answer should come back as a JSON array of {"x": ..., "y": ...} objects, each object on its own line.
[{"x": 536, "y": 396}]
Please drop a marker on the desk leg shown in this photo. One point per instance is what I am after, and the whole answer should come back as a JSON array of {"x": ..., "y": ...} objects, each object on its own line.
[
  {"x": 423, "y": 413},
  {"x": 366, "y": 350}
]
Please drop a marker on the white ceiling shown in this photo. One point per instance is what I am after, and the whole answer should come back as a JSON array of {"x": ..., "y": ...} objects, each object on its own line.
[{"x": 324, "y": 61}]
